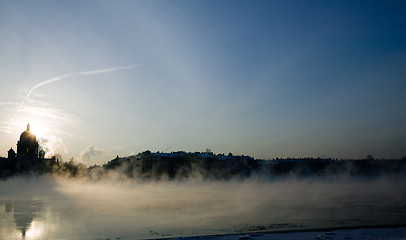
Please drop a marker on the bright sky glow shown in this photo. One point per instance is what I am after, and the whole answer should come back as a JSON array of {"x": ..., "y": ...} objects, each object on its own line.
[
  {"x": 39, "y": 129},
  {"x": 264, "y": 78}
]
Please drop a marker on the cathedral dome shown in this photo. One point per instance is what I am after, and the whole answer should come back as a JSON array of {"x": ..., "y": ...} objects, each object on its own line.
[
  {"x": 27, "y": 147},
  {"x": 27, "y": 138}
]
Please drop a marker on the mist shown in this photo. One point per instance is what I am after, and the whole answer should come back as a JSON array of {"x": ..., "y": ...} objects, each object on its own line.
[{"x": 54, "y": 206}]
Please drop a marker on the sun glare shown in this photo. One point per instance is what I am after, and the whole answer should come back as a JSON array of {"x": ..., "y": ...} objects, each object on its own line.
[
  {"x": 39, "y": 129},
  {"x": 35, "y": 230},
  {"x": 36, "y": 127}
]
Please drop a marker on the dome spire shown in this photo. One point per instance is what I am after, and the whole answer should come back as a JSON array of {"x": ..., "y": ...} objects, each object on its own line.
[{"x": 28, "y": 127}]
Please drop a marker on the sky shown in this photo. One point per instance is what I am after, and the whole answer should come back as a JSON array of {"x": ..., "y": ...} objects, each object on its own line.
[{"x": 96, "y": 79}]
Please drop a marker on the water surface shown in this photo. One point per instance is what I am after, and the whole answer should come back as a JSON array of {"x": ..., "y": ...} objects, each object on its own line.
[{"x": 49, "y": 208}]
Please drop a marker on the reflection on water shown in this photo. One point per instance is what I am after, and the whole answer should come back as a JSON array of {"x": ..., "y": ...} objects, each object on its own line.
[
  {"x": 45, "y": 208},
  {"x": 24, "y": 212}
]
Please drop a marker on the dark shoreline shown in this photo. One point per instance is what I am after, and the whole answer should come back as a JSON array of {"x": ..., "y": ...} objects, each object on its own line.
[{"x": 316, "y": 230}]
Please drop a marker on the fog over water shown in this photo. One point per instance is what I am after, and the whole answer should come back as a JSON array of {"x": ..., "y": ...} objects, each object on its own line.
[{"x": 53, "y": 207}]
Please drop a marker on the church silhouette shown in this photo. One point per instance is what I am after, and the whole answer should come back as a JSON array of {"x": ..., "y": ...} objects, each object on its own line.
[{"x": 27, "y": 147}]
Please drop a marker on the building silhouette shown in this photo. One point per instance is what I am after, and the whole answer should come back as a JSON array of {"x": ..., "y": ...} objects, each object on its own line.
[
  {"x": 11, "y": 154},
  {"x": 29, "y": 157},
  {"x": 27, "y": 146}
]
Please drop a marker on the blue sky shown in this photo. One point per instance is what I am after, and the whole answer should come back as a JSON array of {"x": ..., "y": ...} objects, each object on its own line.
[{"x": 261, "y": 78}]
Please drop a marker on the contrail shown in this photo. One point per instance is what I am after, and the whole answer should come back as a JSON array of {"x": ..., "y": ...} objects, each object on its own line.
[{"x": 94, "y": 72}]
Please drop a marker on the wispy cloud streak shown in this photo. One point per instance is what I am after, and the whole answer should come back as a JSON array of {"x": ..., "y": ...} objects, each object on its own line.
[{"x": 86, "y": 73}]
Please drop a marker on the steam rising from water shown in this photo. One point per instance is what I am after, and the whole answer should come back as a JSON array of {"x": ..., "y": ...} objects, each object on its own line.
[{"x": 130, "y": 208}]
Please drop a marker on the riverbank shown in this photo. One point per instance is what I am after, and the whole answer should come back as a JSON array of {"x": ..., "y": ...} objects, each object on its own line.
[{"x": 376, "y": 233}]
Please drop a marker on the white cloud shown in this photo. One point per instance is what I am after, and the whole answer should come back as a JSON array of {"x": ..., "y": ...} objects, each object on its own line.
[
  {"x": 46, "y": 110},
  {"x": 86, "y": 73},
  {"x": 90, "y": 152}
]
